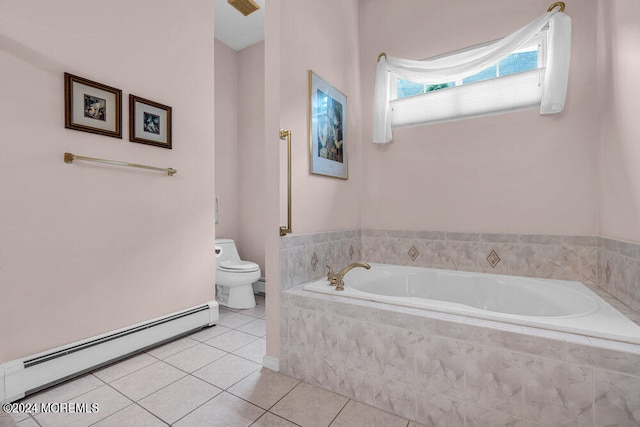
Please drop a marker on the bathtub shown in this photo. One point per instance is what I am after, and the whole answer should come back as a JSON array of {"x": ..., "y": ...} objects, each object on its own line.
[{"x": 557, "y": 305}]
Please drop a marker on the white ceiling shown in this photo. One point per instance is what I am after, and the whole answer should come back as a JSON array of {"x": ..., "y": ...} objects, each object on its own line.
[{"x": 236, "y": 30}]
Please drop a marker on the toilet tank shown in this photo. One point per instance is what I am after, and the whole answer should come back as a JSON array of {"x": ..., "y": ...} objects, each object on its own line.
[{"x": 226, "y": 250}]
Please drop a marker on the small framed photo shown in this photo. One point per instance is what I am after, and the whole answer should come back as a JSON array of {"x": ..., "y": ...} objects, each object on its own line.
[
  {"x": 92, "y": 107},
  {"x": 327, "y": 128},
  {"x": 149, "y": 122}
]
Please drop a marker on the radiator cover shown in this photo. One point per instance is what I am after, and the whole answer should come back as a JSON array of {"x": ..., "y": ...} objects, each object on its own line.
[{"x": 31, "y": 374}]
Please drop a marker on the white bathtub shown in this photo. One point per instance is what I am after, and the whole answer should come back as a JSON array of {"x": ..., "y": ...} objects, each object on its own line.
[{"x": 558, "y": 305}]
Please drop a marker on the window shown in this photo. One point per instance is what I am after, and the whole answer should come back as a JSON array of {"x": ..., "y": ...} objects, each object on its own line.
[
  {"x": 527, "y": 69},
  {"x": 515, "y": 83},
  {"x": 527, "y": 58}
]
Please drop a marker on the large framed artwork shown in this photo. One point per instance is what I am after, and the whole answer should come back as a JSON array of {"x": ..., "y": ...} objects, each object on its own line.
[
  {"x": 328, "y": 129},
  {"x": 92, "y": 107},
  {"x": 149, "y": 122}
]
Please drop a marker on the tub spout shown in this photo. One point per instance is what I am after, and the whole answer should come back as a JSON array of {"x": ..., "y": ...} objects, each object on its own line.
[{"x": 339, "y": 277}]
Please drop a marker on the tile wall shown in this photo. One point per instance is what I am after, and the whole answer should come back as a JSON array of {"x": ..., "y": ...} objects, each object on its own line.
[
  {"x": 446, "y": 370},
  {"x": 442, "y": 369},
  {"x": 619, "y": 270},
  {"x": 304, "y": 257},
  {"x": 612, "y": 265},
  {"x": 549, "y": 257}
]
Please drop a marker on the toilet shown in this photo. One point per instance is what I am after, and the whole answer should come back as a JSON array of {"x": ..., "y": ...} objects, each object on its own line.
[{"x": 234, "y": 277}]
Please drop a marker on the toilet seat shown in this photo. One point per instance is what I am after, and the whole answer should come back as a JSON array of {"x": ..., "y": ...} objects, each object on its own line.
[{"x": 234, "y": 266}]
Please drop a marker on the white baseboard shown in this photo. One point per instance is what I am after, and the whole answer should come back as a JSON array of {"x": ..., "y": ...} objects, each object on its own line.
[{"x": 272, "y": 363}]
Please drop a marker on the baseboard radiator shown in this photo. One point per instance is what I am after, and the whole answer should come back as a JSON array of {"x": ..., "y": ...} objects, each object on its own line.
[{"x": 31, "y": 374}]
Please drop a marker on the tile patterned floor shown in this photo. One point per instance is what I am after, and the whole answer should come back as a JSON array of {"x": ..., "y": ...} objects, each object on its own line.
[{"x": 213, "y": 377}]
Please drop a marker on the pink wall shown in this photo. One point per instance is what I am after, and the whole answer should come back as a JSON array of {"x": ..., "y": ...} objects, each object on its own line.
[
  {"x": 321, "y": 36},
  {"x": 239, "y": 150},
  {"x": 89, "y": 248},
  {"x": 226, "y": 120},
  {"x": 619, "y": 67},
  {"x": 271, "y": 211},
  {"x": 303, "y": 35},
  {"x": 251, "y": 153},
  {"x": 512, "y": 173}
]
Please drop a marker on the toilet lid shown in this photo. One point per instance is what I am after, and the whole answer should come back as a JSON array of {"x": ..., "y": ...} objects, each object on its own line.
[{"x": 244, "y": 266}]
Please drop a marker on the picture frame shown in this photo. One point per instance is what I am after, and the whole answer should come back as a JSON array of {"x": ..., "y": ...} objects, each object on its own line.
[
  {"x": 92, "y": 107},
  {"x": 149, "y": 122},
  {"x": 327, "y": 129}
]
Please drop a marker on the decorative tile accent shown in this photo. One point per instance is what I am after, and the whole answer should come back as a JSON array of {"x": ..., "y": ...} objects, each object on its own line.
[
  {"x": 493, "y": 259},
  {"x": 351, "y": 252},
  {"x": 607, "y": 273},
  {"x": 413, "y": 253},
  {"x": 314, "y": 261}
]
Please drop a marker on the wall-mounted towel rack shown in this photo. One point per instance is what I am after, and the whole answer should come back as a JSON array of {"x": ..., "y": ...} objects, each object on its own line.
[{"x": 69, "y": 158}]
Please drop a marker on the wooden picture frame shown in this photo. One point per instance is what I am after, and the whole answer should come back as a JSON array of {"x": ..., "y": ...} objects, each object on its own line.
[
  {"x": 92, "y": 107},
  {"x": 327, "y": 129},
  {"x": 149, "y": 122}
]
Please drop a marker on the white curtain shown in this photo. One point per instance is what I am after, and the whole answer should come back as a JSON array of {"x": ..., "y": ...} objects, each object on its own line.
[{"x": 470, "y": 62}]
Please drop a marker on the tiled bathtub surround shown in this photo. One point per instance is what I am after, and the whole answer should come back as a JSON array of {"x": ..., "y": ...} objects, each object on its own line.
[
  {"x": 447, "y": 370},
  {"x": 619, "y": 270},
  {"x": 303, "y": 257},
  {"x": 548, "y": 257},
  {"x": 612, "y": 265}
]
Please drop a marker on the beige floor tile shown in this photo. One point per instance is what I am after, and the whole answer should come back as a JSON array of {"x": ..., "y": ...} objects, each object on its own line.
[
  {"x": 195, "y": 357},
  {"x": 258, "y": 311},
  {"x": 208, "y": 333},
  {"x": 227, "y": 371},
  {"x": 124, "y": 367},
  {"x": 223, "y": 410},
  {"x": 66, "y": 391},
  {"x": 309, "y": 405},
  {"x": 231, "y": 341},
  {"x": 178, "y": 399},
  {"x": 147, "y": 380},
  {"x": 257, "y": 328},
  {"x": 29, "y": 422},
  {"x": 172, "y": 348},
  {"x": 109, "y": 401},
  {"x": 225, "y": 311},
  {"x": 131, "y": 416},
  {"x": 10, "y": 419},
  {"x": 253, "y": 351},
  {"x": 357, "y": 414},
  {"x": 271, "y": 420},
  {"x": 15, "y": 416},
  {"x": 264, "y": 387},
  {"x": 235, "y": 320}
]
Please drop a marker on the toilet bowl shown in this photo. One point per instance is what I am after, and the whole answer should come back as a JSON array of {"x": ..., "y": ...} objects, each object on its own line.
[{"x": 234, "y": 277}]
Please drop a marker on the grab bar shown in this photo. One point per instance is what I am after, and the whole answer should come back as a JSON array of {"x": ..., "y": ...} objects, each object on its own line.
[
  {"x": 69, "y": 158},
  {"x": 286, "y": 134}
]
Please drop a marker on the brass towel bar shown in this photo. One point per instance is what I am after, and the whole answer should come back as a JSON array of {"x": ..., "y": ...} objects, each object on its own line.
[
  {"x": 559, "y": 4},
  {"x": 286, "y": 134},
  {"x": 69, "y": 158}
]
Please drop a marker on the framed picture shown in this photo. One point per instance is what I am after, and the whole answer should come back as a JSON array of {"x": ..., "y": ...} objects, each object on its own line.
[
  {"x": 149, "y": 122},
  {"x": 327, "y": 128},
  {"x": 92, "y": 107}
]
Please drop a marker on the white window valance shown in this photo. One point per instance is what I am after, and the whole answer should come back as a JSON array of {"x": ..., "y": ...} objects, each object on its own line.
[{"x": 553, "y": 78}]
